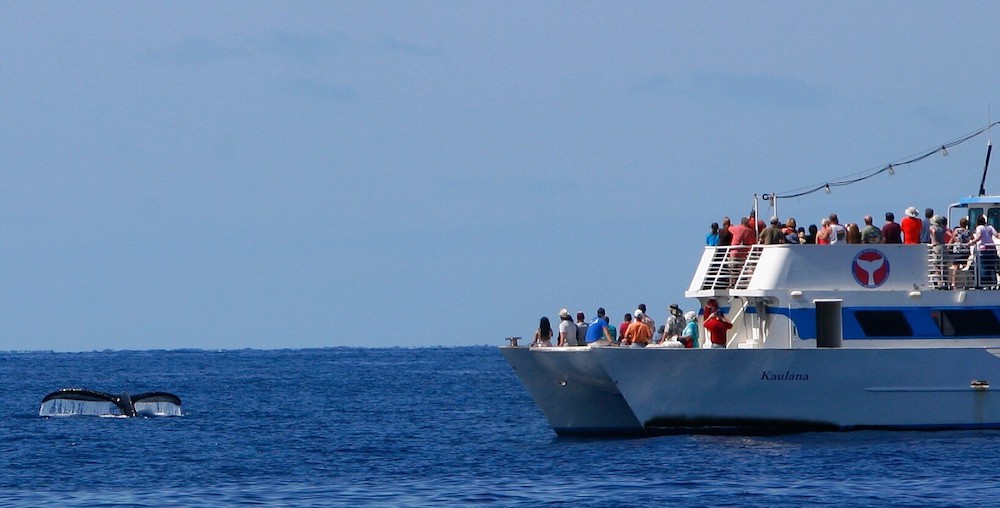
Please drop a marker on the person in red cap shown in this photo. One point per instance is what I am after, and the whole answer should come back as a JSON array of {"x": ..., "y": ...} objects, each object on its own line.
[{"x": 717, "y": 325}]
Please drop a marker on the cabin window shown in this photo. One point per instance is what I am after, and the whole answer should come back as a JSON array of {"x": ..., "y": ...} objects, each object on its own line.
[
  {"x": 966, "y": 323},
  {"x": 993, "y": 218},
  {"x": 974, "y": 214},
  {"x": 883, "y": 323}
]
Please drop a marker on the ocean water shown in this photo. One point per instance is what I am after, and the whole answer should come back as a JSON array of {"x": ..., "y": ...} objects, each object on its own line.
[{"x": 420, "y": 427}]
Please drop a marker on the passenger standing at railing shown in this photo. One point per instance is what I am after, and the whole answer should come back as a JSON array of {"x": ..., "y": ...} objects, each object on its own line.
[
  {"x": 984, "y": 237},
  {"x": 772, "y": 234},
  {"x": 725, "y": 233},
  {"x": 925, "y": 226},
  {"x": 791, "y": 235},
  {"x": 853, "y": 233},
  {"x": 911, "y": 225},
  {"x": 823, "y": 236},
  {"x": 712, "y": 239},
  {"x": 938, "y": 238},
  {"x": 810, "y": 238},
  {"x": 891, "y": 230},
  {"x": 742, "y": 233},
  {"x": 959, "y": 250},
  {"x": 870, "y": 233},
  {"x": 838, "y": 233}
]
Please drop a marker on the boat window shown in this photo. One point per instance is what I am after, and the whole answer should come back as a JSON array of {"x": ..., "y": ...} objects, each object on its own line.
[
  {"x": 974, "y": 214},
  {"x": 883, "y": 323},
  {"x": 993, "y": 218},
  {"x": 968, "y": 323}
]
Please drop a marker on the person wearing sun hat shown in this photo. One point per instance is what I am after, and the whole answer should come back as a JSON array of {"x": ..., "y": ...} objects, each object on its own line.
[
  {"x": 567, "y": 329},
  {"x": 690, "y": 335},
  {"x": 675, "y": 323},
  {"x": 911, "y": 226}
]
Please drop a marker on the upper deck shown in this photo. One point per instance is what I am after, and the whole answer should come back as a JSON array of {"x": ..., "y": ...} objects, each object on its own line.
[{"x": 759, "y": 270}]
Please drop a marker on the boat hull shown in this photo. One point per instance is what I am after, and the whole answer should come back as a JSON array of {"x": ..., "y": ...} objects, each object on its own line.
[
  {"x": 573, "y": 391},
  {"x": 807, "y": 389}
]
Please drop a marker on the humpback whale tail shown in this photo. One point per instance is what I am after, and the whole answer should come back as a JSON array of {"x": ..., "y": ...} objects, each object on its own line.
[{"x": 83, "y": 401}]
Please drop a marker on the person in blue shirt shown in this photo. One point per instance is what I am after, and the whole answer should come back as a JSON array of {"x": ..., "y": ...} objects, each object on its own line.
[
  {"x": 712, "y": 238},
  {"x": 689, "y": 337},
  {"x": 597, "y": 330}
]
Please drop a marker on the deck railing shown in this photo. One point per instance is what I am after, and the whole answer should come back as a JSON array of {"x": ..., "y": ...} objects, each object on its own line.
[
  {"x": 953, "y": 268},
  {"x": 732, "y": 267}
]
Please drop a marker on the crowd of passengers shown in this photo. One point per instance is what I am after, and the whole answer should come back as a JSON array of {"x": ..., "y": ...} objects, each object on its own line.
[
  {"x": 637, "y": 329},
  {"x": 955, "y": 250}
]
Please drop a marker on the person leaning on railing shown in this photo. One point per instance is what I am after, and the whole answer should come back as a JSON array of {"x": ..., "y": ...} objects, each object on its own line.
[
  {"x": 959, "y": 252},
  {"x": 985, "y": 237}
]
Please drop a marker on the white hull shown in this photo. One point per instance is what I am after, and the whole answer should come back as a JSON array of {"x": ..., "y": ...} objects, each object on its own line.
[
  {"x": 573, "y": 391},
  {"x": 836, "y": 389},
  {"x": 839, "y": 337}
]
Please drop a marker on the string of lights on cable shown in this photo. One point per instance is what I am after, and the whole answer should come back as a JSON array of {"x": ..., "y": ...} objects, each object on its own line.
[{"x": 888, "y": 168}]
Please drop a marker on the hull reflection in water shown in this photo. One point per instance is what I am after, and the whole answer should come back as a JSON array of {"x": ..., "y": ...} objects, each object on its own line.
[{"x": 85, "y": 402}]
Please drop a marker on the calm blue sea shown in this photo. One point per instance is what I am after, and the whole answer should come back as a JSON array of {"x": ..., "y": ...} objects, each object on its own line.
[{"x": 417, "y": 427}]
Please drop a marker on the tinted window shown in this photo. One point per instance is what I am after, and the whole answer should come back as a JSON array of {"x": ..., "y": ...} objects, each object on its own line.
[
  {"x": 974, "y": 214},
  {"x": 993, "y": 218},
  {"x": 966, "y": 322},
  {"x": 883, "y": 323}
]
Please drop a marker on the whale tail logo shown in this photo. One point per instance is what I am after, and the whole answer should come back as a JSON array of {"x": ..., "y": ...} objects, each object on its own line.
[
  {"x": 83, "y": 401},
  {"x": 870, "y": 268}
]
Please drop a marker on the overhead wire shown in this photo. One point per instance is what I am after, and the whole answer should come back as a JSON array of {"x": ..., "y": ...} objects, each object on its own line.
[{"x": 890, "y": 167}]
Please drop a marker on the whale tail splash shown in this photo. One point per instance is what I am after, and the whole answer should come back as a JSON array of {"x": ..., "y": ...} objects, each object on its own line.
[{"x": 83, "y": 401}]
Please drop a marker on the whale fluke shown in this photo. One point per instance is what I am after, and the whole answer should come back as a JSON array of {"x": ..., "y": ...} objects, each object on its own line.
[{"x": 84, "y": 401}]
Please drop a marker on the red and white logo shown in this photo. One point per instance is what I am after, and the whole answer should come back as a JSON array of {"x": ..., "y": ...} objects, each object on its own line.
[{"x": 870, "y": 268}]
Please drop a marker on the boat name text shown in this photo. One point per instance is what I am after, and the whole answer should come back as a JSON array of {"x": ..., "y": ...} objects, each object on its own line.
[{"x": 768, "y": 375}]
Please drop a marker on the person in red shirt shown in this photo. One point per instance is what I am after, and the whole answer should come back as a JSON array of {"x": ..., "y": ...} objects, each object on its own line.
[
  {"x": 623, "y": 327},
  {"x": 717, "y": 326},
  {"x": 891, "y": 232},
  {"x": 911, "y": 226}
]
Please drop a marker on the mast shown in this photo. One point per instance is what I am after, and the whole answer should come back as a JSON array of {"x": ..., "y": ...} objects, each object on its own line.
[
  {"x": 989, "y": 149},
  {"x": 986, "y": 167}
]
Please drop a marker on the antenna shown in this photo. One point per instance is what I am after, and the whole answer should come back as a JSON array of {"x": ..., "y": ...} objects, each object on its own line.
[{"x": 989, "y": 149}]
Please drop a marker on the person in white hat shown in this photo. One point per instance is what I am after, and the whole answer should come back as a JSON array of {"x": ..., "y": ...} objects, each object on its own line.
[
  {"x": 567, "y": 329},
  {"x": 689, "y": 337},
  {"x": 638, "y": 334},
  {"x": 911, "y": 226}
]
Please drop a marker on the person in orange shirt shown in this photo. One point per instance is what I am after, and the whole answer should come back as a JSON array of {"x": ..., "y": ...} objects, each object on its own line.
[{"x": 638, "y": 333}]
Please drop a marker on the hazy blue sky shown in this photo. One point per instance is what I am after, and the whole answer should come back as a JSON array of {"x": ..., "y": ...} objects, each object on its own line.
[{"x": 299, "y": 174}]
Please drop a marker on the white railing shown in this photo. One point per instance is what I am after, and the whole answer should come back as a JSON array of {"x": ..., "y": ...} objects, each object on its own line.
[
  {"x": 731, "y": 267},
  {"x": 949, "y": 269}
]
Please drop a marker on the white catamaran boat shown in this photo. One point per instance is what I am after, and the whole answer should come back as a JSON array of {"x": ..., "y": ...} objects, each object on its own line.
[{"x": 825, "y": 337}]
